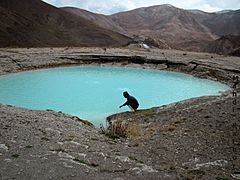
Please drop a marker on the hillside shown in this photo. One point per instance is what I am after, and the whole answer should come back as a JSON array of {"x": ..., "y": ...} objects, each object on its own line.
[
  {"x": 99, "y": 19},
  {"x": 179, "y": 28},
  {"x": 34, "y": 23},
  {"x": 228, "y": 44},
  {"x": 220, "y": 23},
  {"x": 164, "y": 26}
]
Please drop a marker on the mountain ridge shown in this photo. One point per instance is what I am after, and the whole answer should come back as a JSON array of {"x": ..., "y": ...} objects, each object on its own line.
[
  {"x": 34, "y": 23},
  {"x": 181, "y": 29}
]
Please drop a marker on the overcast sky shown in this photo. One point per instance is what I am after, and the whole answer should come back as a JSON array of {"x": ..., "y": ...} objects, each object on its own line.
[{"x": 114, "y": 6}]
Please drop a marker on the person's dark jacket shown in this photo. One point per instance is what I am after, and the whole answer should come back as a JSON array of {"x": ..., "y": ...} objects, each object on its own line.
[{"x": 131, "y": 101}]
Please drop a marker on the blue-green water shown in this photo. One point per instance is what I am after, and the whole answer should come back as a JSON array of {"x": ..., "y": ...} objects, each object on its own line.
[{"x": 93, "y": 92}]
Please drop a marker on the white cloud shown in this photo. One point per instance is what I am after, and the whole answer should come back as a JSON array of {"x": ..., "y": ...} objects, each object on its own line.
[
  {"x": 101, "y": 6},
  {"x": 209, "y": 8},
  {"x": 113, "y": 6},
  {"x": 109, "y": 7}
]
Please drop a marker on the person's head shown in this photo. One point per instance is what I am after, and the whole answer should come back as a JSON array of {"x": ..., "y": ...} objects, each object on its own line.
[{"x": 125, "y": 94}]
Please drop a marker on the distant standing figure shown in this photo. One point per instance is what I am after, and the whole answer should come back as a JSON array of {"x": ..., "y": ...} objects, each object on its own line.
[
  {"x": 105, "y": 50},
  {"x": 131, "y": 102}
]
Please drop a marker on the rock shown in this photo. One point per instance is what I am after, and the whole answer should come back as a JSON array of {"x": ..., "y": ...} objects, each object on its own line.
[
  {"x": 75, "y": 118},
  {"x": 161, "y": 66},
  {"x": 3, "y": 147}
]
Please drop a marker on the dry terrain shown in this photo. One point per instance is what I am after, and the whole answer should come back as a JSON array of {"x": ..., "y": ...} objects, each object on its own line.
[
  {"x": 193, "y": 139},
  {"x": 34, "y": 23},
  {"x": 178, "y": 28}
]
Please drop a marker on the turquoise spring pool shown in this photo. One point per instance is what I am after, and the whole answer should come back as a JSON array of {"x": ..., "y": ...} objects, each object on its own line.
[{"x": 94, "y": 92}]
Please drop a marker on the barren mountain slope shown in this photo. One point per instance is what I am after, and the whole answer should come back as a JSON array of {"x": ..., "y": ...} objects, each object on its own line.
[
  {"x": 176, "y": 26},
  {"x": 228, "y": 44},
  {"x": 31, "y": 23}
]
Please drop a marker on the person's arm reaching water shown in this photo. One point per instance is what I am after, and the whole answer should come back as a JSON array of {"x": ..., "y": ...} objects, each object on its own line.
[
  {"x": 126, "y": 103},
  {"x": 131, "y": 101}
]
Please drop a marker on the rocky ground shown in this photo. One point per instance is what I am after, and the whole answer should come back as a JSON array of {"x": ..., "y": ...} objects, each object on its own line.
[{"x": 193, "y": 139}]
